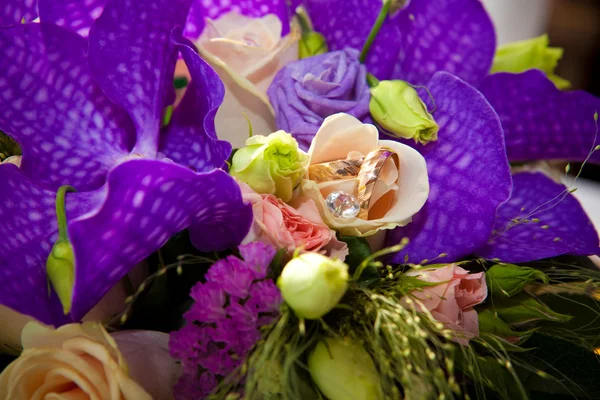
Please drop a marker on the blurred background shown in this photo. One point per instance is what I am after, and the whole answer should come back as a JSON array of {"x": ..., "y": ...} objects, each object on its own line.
[{"x": 573, "y": 25}]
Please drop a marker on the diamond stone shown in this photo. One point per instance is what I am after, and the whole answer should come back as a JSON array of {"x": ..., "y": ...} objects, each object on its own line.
[{"x": 342, "y": 205}]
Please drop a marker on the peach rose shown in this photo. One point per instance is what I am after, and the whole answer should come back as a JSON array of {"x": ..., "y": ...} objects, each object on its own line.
[
  {"x": 246, "y": 53},
  {"x": 399, "y": 192},
  {"x": 75, "y": 361},
  {"x": 452, "y": 301},
  {"x": 16, "y": 160},
  {"x": 284, "y": 226}
]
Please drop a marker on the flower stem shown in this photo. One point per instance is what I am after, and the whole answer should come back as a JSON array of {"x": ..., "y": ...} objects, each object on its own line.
[
  {"x": 61, "y": 214},
  {"x": 375, "y": 30}
]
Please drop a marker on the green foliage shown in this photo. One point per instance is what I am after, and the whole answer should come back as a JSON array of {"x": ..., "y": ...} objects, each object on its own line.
[
  {"x": 496, "y": 331},
  {"x": 509, "y": 280},
  {"x": 524, "y": 309},
  {"x": 359, "y": 250}
]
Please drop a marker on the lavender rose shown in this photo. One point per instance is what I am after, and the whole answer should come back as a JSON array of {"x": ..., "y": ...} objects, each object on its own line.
[{"x": 307, "y": 91}]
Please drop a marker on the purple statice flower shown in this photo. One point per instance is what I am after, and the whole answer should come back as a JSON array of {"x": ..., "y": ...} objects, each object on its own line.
[
  {"x": 224, "y": 322},
  {"x": 87, "y": 113},
  {"x": 305, "y": 92}
]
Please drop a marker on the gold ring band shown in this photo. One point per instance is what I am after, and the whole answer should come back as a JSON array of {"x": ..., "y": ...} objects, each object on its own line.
[
  {"x": 335, "y": 170},
  {"x": 368, "y": 175}
]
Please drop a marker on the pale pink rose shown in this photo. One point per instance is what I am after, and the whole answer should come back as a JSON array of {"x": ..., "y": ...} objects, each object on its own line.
[
  {"x": 399, "y": 192},
  {"x": 75, "y": 361},
  {"x": 16, "y": 160},
  {"x": 452, "y": 301},
  {"x": 284, "y": 226},
  {"x": 246, "y": 53}
]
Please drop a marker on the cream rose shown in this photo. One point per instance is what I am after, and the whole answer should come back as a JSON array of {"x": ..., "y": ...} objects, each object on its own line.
[
  {"x": 246, "y": 53},
  {"x": 399, "y": 192},
  {"x": 75, "y": 361}
]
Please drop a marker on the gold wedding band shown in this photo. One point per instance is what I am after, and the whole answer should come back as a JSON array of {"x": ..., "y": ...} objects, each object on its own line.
[
  {"x": 335, "y": 170},
  {"x": 369, "y": 174}
]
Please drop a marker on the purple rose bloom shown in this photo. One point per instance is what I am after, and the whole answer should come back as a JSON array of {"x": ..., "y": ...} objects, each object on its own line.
[{"x": 307, "y": 91}]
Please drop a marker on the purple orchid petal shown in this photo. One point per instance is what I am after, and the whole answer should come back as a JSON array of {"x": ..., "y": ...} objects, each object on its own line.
[
  {"x": 469, "y": 176},
  {"x": 427, "y": 36},
  {"x": 348, "y": 23},
  {"x": 69, "y": 131},
  {"x": 213, "y": 9},
  {"x": 14, "y": 11},
  {"x": 563, "y": 226},
  {"x": 133, "y": 59},
  {"x": 147, "y": 202},
  {"x": 541, "y": 122},
  {"x": 75, "y": 15},
  {"x": 191, "y": 139},
  {"x": 29, "y": 230},
  {"x": 456, "y": 36}
]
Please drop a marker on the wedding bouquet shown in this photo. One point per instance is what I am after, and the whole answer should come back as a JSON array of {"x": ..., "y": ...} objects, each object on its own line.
[{"x": 269, "y": 199}]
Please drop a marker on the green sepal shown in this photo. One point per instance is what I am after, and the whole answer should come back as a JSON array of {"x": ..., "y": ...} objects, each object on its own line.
[
  {"x": 509, "y": 280},
  {"x": 311, "y": 44},
  {"x": 523, "y": 309}
]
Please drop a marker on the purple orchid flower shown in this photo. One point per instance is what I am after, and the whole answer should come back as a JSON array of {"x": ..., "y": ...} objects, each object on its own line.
[
  {"x": 79, "y": 15},
  {"x": 89, "y": 117},
  {"x": 15, "y": 11},
  {"x": 468, "y": 193}
]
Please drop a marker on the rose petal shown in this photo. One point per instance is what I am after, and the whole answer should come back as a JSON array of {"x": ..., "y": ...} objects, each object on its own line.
[
  {"x": 212, "y": 9},
  {"x": 29, "y": 229},
  {"x": 133, "y": 59},
  {"x": 149, "y": 363},
  {"x": 75, "y": 15},
  {"x": 563, "y": 227},
  {"x": 468, "y": 173},
  {"x": 15, "y": 11},
  {"x": 190, "y": 139},
  {"x": 541, "y": 122},
  {"x": 69, "y": 131},
  {"x": 144, "y": 203}
]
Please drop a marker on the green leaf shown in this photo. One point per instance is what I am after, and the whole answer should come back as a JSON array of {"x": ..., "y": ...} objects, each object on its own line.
[
  {"x": 509, "y": 280},
  {"x": 491, "y": 326},
  {"x": 495, "y": 376},
  {"x": 524, "y": 309},
  {"x": 359, "y": 250}
]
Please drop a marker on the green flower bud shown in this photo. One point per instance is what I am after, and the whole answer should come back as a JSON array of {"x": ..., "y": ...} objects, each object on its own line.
[
  {"x": 312, "y": 284},
  {"x": 60, "y": 268},
  {"x": 397, "y": 108},
  {"x": 509, "y": 279},
  {"x": 528, "y": 54},
  {"x": 311, "y": 44},
  {"x": 342, "y": 370},
  {"x": 270, "y": 164}
]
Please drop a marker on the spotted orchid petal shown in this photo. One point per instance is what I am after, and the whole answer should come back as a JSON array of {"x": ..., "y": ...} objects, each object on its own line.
[
  {"x": 427, "y": 36},
  {"x": 541, "y": 220},
  {"x": 133, "y": 59},
  {"x": 70, "y": 133},
  {"x": 147, "y": 202},
  {"x": 143, "y": 203},
  {"x": 15, "y": 11},
  {"x": 212, "y": 9},
  {"x": 29, "y": 229},
  {"x": 191, "y": 139},
  {"x": 75, "y": 15},
  {"x": 469, "y": 176},
  {"x": 541, "y": 122}
]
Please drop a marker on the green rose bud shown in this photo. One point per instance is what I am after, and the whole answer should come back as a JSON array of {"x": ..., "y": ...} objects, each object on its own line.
[
  {"x": 342, "y": 370},
  {"x": 528, "y": 54},
  {"x": 270, "y": 164},
  {"x": 397, "y": 108},
  {"x": 60, "y": 268},
  {"x": 311, "y": 44},
  {"x": 509, "y": 279},
  {"x": 312, "y": 284}
]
